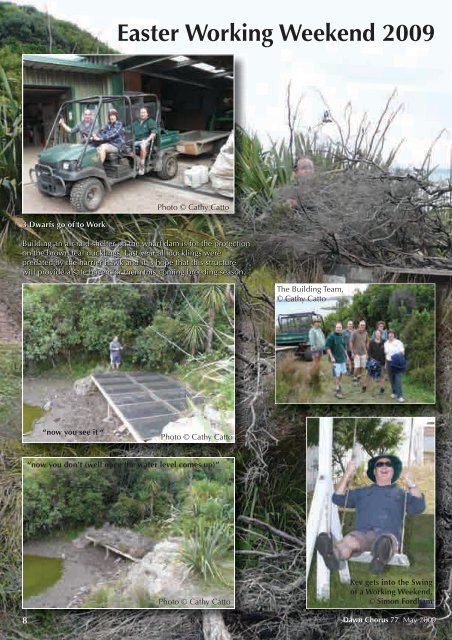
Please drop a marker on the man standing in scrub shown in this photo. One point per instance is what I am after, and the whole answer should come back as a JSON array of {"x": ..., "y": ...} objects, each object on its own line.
[{"x": 115, "y": 348}]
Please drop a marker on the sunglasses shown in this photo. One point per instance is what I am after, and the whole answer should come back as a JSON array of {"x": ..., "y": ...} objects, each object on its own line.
[{"x": 383, "y": 464}]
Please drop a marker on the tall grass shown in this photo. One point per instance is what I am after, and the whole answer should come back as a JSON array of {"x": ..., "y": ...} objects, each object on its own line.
[{"x": 296, "y": 383}]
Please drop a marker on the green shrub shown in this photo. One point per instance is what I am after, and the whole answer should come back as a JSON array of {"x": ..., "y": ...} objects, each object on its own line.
[
  {"x": 154, "y": 351},
  {"x": 203, "y": 550},
  {"x": 423, "y": 375},
  {"x": 126, "y": 511}
]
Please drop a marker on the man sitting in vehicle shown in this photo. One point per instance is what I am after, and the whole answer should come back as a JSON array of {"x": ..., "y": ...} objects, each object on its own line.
[
  {"x": 379, "y": 514},
  {"x": 111, "y": 135},
  {"x": 83, "y": 127},
  {"x": 145, "y": 130}
]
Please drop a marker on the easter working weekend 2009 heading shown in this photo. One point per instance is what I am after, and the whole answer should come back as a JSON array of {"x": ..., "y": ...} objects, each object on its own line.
[{"x": 287, "y": 33}]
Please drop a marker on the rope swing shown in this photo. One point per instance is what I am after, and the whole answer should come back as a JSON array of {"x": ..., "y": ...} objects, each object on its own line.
[{"x": 398, "y": 559}]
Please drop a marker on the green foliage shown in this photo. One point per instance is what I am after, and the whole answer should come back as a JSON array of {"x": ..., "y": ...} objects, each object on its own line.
[
  {"x": 10, "y": 153},
  {"x": 126, "y": 512},
  {"x": 375, "y": 435},
  {"x": 66, "y": 494},
  {"x": 393, "y": 303},
  {"x": 159, "y": 350},
  {"x": 24, "y": 28},
  {"x": 418, "y": 334},
  {"x": 159, "y": 326},
  {"x": 203, "y": 551}
]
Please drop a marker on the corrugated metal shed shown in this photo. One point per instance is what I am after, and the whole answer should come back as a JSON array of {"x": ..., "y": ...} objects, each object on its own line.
[{"x": 81, "y": 84}]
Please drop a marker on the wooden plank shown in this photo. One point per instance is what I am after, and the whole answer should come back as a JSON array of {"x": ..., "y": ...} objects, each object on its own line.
[{"x": 110, "y": 548}]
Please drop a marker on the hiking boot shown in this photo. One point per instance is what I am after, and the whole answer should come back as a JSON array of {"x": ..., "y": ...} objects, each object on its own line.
[
  {"x": 324, "y": 546},
  {"x": 363, "y": 388},
  {"x": 382, "y": 390},
  {"x": 339, "y": 394},
  {"x": 381, "y": 554}
]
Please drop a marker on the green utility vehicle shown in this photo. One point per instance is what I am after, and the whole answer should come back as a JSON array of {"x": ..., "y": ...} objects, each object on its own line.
[
  {"x": 292, "y": 333},
  {"x": 74, "y": 169}
]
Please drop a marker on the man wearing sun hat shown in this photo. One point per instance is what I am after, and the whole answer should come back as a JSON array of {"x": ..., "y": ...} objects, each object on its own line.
[{"x": 379, "y": 511}]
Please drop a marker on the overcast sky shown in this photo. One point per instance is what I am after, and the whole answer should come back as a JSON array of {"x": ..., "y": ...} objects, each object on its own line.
[{"x": 363, "y": 73}]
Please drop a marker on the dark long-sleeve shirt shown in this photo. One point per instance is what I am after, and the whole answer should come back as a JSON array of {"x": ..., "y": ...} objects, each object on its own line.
[
  {"x": 380, "y": 508},
  {"x": 112, "y": 133}
]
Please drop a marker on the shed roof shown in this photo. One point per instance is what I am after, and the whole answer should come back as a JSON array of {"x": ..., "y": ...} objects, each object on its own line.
[
  {"x": 210, "y": 71},
  {"x": 67, "y": 63}
]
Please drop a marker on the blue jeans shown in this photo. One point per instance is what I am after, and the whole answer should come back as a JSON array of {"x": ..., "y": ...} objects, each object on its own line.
[{"x": 395, "y": 378}]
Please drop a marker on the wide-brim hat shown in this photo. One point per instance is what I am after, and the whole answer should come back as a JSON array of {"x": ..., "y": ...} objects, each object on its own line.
[{"x": 396, "y": 465}]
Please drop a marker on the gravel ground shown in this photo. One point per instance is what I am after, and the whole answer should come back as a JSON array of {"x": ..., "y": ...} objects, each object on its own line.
[
  {"x": 143, "y": 195},
  {"x": 71, "y": 418},
  {"x": 83, "y": 569}
]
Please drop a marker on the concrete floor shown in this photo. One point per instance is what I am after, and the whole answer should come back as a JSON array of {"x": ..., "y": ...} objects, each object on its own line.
[{"x": 145, "y": 194}]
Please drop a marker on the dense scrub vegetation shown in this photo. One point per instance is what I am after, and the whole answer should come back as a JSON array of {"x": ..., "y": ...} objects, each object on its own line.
[
  {"x": 159, "y": 326},
  {"x": 24, "y": 29}
]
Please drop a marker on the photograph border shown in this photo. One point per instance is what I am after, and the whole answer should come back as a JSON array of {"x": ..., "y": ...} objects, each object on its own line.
[
  {"x": 136, "y": 442},
  {"x": 363, "y": 404},
  {"x": 130, "y": 458},
  {"x": 383, "y": 607}
]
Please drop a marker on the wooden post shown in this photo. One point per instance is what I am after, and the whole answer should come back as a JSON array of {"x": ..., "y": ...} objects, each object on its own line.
[{"x": 326, "y": 477}]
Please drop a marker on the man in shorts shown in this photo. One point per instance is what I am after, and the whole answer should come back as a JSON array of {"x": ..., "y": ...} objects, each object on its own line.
[
  {"x": 145, "y": 130},
  {"x": 359, "y": 345},
  {"x": 379, "y": 513},
  {"x": 316, "y": 342},
  {"x": 115, "y": 348},
  {"x": 111, "y": 136},
  {"x": 336, "y": 349}
]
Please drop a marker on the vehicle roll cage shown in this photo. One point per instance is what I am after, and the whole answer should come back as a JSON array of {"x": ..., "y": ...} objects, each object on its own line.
[{"x": 101, "y": 100}]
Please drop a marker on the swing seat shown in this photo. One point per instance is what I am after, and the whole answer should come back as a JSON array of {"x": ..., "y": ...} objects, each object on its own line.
[{"x": 397, "y": 560}]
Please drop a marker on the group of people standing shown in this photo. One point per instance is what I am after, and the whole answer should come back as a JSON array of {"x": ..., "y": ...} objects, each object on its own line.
[{"x": 353, "y": 352}]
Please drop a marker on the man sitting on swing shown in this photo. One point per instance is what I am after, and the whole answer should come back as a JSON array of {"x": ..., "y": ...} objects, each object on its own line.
[{"x": 379, "y": 516}]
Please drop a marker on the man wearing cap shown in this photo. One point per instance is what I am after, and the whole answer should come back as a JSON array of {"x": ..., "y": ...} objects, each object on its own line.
[
  {"x": 379, "y": 512},
  {"x": 111, "y": 135}
]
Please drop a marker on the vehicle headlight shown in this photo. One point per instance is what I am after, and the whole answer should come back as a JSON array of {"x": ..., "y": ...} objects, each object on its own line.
[{"x": 69, "y": 165}]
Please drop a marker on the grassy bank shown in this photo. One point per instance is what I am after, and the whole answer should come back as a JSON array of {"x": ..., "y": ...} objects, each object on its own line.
[
  {"x": 385, "y": 591},
  {"x": 301, "y": 382}
]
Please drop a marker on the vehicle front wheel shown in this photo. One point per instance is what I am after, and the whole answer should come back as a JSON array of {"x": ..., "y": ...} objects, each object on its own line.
[
  {"x": 87, "y": 194},
  {"x": 169, "y": 168}
]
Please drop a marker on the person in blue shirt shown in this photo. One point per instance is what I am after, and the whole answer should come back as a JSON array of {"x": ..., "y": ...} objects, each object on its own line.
[
  {"x": 384, "y": 333},
  {"x": 115, "y": 348},
  {"x": 111, "y": 135},
  {"x": 379, "y": 513}
]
